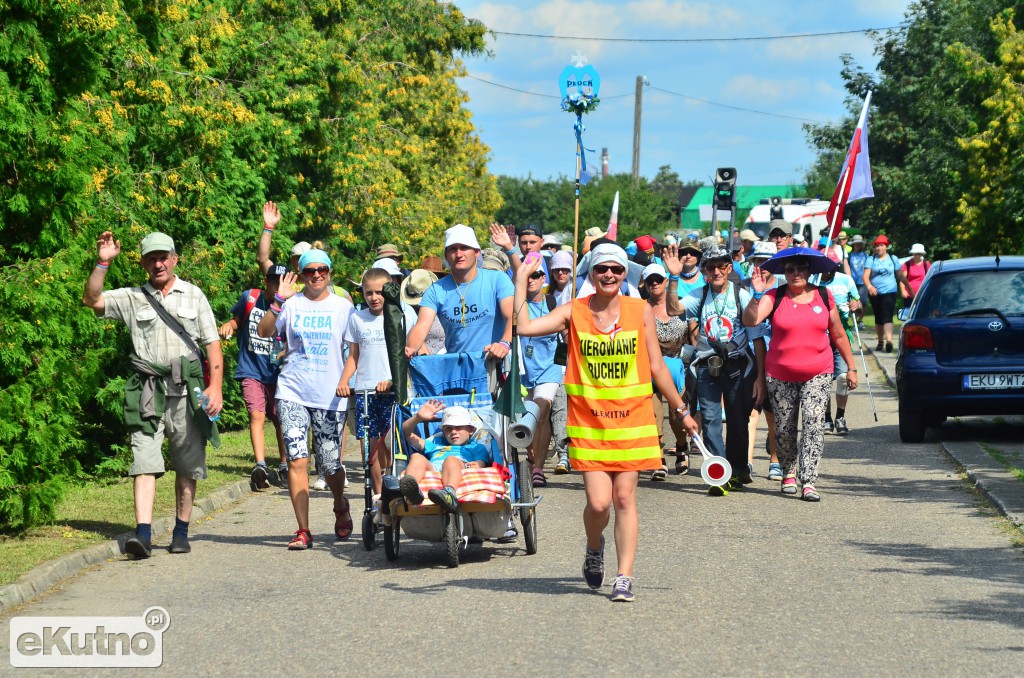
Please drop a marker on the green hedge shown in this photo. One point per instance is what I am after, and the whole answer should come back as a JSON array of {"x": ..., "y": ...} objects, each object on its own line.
[{"x": 185, "y": 116}]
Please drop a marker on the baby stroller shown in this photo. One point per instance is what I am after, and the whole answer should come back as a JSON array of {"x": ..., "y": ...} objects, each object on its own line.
[{"x": 489, "y": 498}]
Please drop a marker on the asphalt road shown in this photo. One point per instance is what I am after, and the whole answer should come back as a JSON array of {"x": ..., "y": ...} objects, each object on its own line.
[{"x": 899, "y": 570}]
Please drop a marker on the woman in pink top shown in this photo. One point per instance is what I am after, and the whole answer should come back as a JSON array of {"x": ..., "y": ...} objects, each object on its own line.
[
  {"x": 915, "y": 268},
  {"x": 799, "y": 361}
]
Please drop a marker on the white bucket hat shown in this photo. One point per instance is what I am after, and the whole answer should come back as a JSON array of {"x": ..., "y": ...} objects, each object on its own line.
[
  {"x": 414, "y": 287},
  {"x": 457, "y": 415},
  {"x": 917, "y": 248}
]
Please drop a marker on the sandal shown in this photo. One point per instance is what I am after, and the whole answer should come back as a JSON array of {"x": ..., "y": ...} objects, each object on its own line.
[
  {"x": 539, "y": 479},
  {"x": 789, "y": 485},
  {"x": 682, "y": 464},
  {"x": 342, "y": 520},
  {"x": 302, "y": 540},
  {"x": 661, "y": 474},
  {"x": 810, "y": 494}
]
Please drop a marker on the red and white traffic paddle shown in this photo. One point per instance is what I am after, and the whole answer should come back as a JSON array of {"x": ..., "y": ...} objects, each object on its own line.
[{"x": 715, "y": 471}]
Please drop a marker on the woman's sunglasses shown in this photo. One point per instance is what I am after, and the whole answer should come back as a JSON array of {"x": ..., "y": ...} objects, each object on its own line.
[
  {"x": 655, "y": 280},
  {"x": 794, "y": 268},
  {"x": 601, "y": 269},
  {"x": 319, "y": 270},
  {"x": 536, "y": 276}
]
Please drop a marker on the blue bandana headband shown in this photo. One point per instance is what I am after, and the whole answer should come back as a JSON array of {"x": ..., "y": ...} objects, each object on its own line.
[{"x": 314, "y": 257}]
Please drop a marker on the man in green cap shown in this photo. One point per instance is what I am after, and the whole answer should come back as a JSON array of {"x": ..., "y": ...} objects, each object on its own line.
[{"x": 162, "y": 396}]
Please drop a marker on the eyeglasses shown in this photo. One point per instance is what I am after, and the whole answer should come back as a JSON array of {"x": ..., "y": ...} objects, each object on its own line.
[
  {"x": 777, "y": 235},
  {"x": 688, "y": 253},
  {"x": 536, "y": 276},
  {"x": 560, "y": 271},
  {"x": 601, "y": 269},
  {"x": 721, "y": 267},
  {"x": 655, "y": 280},
  {"x": 794, "y": 268},
  {"x": 319, "y": 270}
]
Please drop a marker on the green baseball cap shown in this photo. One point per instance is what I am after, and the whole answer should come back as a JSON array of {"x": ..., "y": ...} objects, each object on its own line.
[{"x": 157, "y": 242}]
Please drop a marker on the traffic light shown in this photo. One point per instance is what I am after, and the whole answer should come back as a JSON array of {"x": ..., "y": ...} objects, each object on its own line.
[
  {"x": 725, "y": 188},
  {"x": 776, "y": 208}
]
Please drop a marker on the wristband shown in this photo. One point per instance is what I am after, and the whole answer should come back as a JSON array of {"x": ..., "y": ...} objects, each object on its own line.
[
  {"x": 510, "y": 252},
  {"x": 506, "y": 344},
  {"x": 673, "y": 278},
  {"x": 682, "y": 410},
  {"x": 276, "y": 310},
  {"x": 757, "y": 295},
  {"x": 100, "y": 264},
  {"x": 267, "y": 230},
  {"x": 278, "y": 298},
  {"x": 853, "y": 370}
]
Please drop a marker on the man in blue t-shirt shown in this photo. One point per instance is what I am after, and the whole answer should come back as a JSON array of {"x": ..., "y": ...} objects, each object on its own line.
[
  {"x": 473, "y": 304},
  {"x": 257, "y": 370}
]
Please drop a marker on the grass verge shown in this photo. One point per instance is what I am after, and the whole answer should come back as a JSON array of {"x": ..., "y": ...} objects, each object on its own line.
[
  {"x": 1010, "y": 458},
  {"x": 95, "y": 511}
]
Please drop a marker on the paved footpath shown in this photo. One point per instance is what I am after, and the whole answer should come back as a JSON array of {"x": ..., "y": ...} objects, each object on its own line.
[{"x": 899, "y": 570}]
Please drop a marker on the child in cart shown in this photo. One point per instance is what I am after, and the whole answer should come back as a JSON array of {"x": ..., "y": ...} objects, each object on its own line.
[{"x": 448, "y": 453}]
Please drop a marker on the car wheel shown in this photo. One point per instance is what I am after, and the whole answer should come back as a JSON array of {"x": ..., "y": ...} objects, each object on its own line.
[{"x": 912, "y": 425}]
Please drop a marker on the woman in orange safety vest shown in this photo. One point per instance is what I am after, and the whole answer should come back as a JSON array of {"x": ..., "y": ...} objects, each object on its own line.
[{"x": 613, "y": 358}]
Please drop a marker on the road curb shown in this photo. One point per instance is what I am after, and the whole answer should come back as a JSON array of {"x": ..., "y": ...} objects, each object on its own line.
[
  {"x": 991, "y": 479},
  {"x": 997, "y": 484},
  {"x": 42, "y": 578}
]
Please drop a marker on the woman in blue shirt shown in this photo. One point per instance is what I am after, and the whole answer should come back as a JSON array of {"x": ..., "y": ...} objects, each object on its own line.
[{"x": 883, "y": 278}]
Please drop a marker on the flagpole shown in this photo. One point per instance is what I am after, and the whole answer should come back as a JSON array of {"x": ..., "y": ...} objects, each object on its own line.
[
  {"x": 576, "y": 220},
  {"x": 864, "y": 364}
]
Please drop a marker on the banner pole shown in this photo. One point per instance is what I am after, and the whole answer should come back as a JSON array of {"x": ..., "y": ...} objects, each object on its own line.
[{"x": 576, "y": 219}]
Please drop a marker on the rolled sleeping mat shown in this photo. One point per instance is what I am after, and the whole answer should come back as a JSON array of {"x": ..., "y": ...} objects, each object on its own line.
[{"x": 522, "y": 430}]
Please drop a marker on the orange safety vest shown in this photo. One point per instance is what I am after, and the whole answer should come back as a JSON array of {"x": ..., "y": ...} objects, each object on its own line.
[{"x": 608, "y": 383}]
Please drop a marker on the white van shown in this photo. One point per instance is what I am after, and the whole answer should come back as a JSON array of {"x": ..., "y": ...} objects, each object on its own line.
[{"x": 806, "y": 215}]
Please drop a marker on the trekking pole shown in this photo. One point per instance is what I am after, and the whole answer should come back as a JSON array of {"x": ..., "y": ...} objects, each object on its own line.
[{"x": 864, "y": 364}]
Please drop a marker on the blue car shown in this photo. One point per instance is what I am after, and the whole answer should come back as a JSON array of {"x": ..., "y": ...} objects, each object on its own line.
[{"x": 962, "y": 344}]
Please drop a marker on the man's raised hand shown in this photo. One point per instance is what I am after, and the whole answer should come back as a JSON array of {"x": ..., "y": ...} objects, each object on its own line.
[{"x": 107, "y": 248}]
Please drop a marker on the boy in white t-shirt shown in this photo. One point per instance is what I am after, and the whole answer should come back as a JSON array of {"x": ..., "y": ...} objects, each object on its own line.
[{"x": 368, "y": 361}]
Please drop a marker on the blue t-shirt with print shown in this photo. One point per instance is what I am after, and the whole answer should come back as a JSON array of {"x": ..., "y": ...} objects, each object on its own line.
[
  {"x": 883, "y": 273},
  {"x": 437, "y": 450},
  {"x": 253, "y": 350},
  {"x": 539, "y": 352},
  {"x": 857, "y": 261},
  {"x": 720, "y": 318},
  {"x": 470, "y": 312},
  {"x": 686, "y": 286}
]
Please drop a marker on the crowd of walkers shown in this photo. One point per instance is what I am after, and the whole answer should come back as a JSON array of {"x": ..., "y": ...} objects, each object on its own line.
[{"x": 614, "y": 341}]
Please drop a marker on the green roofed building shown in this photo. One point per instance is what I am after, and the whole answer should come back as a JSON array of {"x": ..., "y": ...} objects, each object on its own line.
[{"x": 746, "y": 198}]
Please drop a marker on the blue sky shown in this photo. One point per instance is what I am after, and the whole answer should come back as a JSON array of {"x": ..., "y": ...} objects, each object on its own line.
[{"x": 796, "y": 77}]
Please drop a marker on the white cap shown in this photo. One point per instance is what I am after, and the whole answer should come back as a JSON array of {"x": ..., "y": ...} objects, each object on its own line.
[
  {"x": 460, "y": 234},
  {"x": 301, "y": 248},
  {"x": 456, "y": 416},
  {"x": 389, "y": 265},
  {"x": 654, "y": 269},
  {"x": 551, "y": 240},
  {"x": 606, "y": 252},
  {"x": 917, "y": 248}
]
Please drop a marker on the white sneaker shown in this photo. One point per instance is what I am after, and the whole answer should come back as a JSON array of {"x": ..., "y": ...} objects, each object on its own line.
[{"x": 320, "y": 484}]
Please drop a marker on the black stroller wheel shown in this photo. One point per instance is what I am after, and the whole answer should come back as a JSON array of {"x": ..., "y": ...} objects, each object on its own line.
[
  {"x": 528, "y": 516},
  {"x": 369, "y": 531},
  {"x": 451, "y": 540},
  {"x": 392, "y": 539}
]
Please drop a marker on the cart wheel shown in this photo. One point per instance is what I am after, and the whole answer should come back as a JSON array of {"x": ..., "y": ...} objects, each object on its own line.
[
  {"x": 392, "y": 537},
  {"x": 369, "y": 531},
  {"x": 451, "y": 540},
  {"x": 528, "y": 516}
]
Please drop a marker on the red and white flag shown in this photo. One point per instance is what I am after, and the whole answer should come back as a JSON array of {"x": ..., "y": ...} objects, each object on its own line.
[
  {"x": 855, "y": 182},
  {"x": 613, "y": 221}
]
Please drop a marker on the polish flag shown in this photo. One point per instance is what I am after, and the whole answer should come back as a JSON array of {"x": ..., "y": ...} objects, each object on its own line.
[
  {"x": 855, "y": 183},
  {"x": 613, "y": 221}
]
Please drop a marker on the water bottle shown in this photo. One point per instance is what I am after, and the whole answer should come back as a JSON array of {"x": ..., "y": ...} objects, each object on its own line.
[
  {"x": 275, "y": 351},
  {"x": 203, "y": 399}
]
